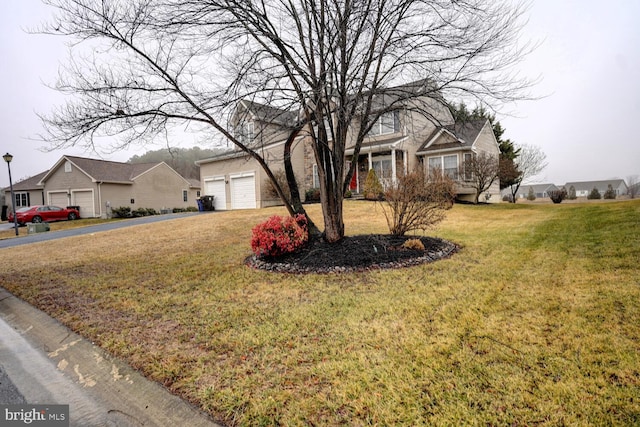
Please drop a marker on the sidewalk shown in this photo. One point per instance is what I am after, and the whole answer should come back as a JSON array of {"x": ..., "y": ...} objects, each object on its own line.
[{"x": 46, "y": 363}]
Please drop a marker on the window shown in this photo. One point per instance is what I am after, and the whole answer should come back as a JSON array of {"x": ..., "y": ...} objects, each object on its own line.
[
  {"x": 244, "y": 132},
  {"x": 185, "y": 195},
  {"x": 468, "y": 169},
  {"x": 316, "y": 178},
  {"x": 447, "y": 164},
  {"x": 22, "y": 200},
  {"x": 383, "y": 168},
  {"x": 67, "y": 167},
  {"x": 198, "y": 193},
  {"x": 386, "y": 124}
]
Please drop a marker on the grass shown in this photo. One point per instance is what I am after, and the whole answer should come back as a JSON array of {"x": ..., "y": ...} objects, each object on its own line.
[{"x": 535, "y": 322}]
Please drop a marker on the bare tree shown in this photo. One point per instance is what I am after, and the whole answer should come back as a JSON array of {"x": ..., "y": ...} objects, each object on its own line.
[
  {"x": 155, "y": 64},
  {"x": 530, "y": 162},
  {"x": 633, "y": 183},
  {"x": 480, "y": 172}
]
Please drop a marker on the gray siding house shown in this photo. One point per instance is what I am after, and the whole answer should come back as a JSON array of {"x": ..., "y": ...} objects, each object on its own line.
[{"x": 583, "y": 188}]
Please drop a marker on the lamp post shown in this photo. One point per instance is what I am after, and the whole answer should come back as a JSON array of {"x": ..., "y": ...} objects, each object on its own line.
[{"x": 7, "y": 158}]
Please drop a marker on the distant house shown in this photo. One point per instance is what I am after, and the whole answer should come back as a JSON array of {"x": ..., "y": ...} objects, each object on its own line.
[
  {"x": 400, "y": 140},
  {"x": 541, "y": 191},
  {"x": 97, "y": 186},
  {"x": 28, "y": 192},
  {"x": 583, "y": 188}
]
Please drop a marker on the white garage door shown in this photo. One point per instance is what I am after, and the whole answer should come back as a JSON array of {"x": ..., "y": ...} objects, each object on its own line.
[
  {"x": 84, "y": 199},
  {"x": 59, "y": 199},
  {"x": 243, "y": 191},
  {"x": 216, "y": 189}
]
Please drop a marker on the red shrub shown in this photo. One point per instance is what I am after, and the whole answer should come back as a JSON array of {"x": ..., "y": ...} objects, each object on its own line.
[{"x": 279, "y": 235}]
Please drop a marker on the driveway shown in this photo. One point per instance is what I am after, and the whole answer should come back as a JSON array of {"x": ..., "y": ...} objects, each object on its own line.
[{"x": 51, "y": 235}]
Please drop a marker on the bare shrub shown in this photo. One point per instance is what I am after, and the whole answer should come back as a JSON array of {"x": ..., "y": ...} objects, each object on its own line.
[
  {"x": 281, "y": 179},
  {"x": 416, "y": 203},
  {"x": 415, "y": 244}
]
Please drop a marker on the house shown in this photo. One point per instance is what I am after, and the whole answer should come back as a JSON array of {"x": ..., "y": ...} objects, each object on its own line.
[
  {"x": 96, "y": 186},
  {"x": 28, "y": 192},
  {"x": 584, "y": 188},
  {"x": 399, "y": 141},
  {"x": 539, "y": 190}
]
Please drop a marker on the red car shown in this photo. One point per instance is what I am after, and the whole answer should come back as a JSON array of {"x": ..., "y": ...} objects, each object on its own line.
[{"x": 44, "y": 214}]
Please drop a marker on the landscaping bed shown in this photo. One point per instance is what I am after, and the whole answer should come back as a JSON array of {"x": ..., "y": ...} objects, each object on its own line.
[{"x": 356, "y": 253}]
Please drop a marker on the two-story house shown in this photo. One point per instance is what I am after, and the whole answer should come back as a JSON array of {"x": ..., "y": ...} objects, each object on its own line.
[{"x": 401, "y": 140}]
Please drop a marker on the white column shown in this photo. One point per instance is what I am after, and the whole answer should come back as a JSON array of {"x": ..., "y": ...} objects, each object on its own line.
[
  {"x": 370, "y": 161},
  {"x": 394, "y": 174},
  {"x": 405, "y": 161}
]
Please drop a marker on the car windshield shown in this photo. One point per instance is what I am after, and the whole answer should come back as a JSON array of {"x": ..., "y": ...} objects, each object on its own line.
[{"x": 23, "y": 209}]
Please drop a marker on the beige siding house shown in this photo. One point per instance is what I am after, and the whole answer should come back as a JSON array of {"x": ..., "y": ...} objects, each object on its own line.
[
  {"x": 27, "y": 192},
  {"x": 97, "y": 186},
  {"x": 400, "y": 141}
]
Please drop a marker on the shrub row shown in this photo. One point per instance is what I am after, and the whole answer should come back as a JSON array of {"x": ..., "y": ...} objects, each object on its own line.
[{"x": 127, "y": 212}]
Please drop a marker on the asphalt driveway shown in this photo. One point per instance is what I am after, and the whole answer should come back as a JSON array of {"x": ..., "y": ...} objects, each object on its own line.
[{"x": 51, "y": 235}]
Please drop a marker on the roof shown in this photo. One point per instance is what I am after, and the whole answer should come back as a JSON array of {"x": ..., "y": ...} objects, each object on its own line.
[
  {"x": 590, "y": 185},
  {"x": 27, "y": 184},
  {"x": 461, "y": 135},
  {"x": 270, "y": 114},
  {"x": 537, "y": 188},
  {"x": 107, "y": 171}
]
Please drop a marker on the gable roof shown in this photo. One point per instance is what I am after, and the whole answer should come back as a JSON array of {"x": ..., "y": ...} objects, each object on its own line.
[
  {"x": 600, "y": 185},
  {"x": 105, "y": 170},
  {"x": 537, "y": 188},
  {"x": 27, "y": 184},
  {"x": 270, "y": 114},
  {"x": 461, "y": 135}
]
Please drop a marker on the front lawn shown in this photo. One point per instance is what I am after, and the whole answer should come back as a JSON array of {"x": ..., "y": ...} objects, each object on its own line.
[{"x": 536, "y": 321}]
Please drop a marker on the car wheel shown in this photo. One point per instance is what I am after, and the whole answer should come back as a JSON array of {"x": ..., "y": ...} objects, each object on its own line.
[
  {"x": 72, "y": 216},
  {"x": 36, "y": 219}
]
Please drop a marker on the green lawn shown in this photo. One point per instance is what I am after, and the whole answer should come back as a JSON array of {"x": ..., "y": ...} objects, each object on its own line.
[{"x": 536, "y": 321}]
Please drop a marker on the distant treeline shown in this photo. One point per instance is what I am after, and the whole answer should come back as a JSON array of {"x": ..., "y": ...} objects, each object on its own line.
[{"x": 182, "y": 160}]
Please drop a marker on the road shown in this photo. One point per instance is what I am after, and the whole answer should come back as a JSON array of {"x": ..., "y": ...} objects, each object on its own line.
[{"x": 25, "y": 238}]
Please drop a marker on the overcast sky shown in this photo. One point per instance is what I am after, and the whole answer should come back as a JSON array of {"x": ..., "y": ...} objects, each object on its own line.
[{"x": 589, "y": 64}]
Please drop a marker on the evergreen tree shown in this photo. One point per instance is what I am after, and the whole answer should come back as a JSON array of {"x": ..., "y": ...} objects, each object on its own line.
[
  {"x": 594, "y": 195},
  {"x": 610, "y": 194}
]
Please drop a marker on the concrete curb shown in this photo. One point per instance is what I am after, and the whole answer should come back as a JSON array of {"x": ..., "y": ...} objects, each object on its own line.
[{"x": 49, "y": 364}]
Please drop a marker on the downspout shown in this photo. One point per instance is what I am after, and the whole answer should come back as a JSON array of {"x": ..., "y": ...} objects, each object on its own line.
[{"x": 100, "y": 197}]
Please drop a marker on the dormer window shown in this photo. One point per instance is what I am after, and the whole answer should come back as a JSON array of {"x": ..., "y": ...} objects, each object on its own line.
[
  {"x": 385, "y": 124},
  {"x": 244, "y": 132}
]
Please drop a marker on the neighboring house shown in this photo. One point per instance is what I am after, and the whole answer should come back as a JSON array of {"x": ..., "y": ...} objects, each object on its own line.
[
  {"x": 28, "y": 192},
  {"x": 97, "y": 186},
  {"x": 540, "y": 190},
  {"x": 399, "y": 141},
  {"x": 583, "y": 188}
]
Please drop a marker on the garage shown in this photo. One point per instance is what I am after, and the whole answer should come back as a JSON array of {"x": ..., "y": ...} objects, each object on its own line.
[
  {"x": 59, "y": 199},
  {"x": 243, "y": 191},
  {"x": 215, "y": 187},
  {"x": 84, "y": 199}
]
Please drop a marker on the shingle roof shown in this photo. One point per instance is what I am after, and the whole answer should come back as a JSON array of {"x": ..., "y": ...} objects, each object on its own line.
[
  {"x": 271, "y": 114},
  {"x": 108, "y": 171},
  {"x": 465, "y": 134},
  {"x": 590, "y": 185},
  {"x": 29, "y": 183}
]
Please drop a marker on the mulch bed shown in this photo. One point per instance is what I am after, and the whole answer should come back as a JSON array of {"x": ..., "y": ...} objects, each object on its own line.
[{"x": 356, "y": 253}]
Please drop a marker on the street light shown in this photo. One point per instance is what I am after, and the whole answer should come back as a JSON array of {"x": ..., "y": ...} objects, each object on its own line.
[{"x": 7, "y": 158}]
